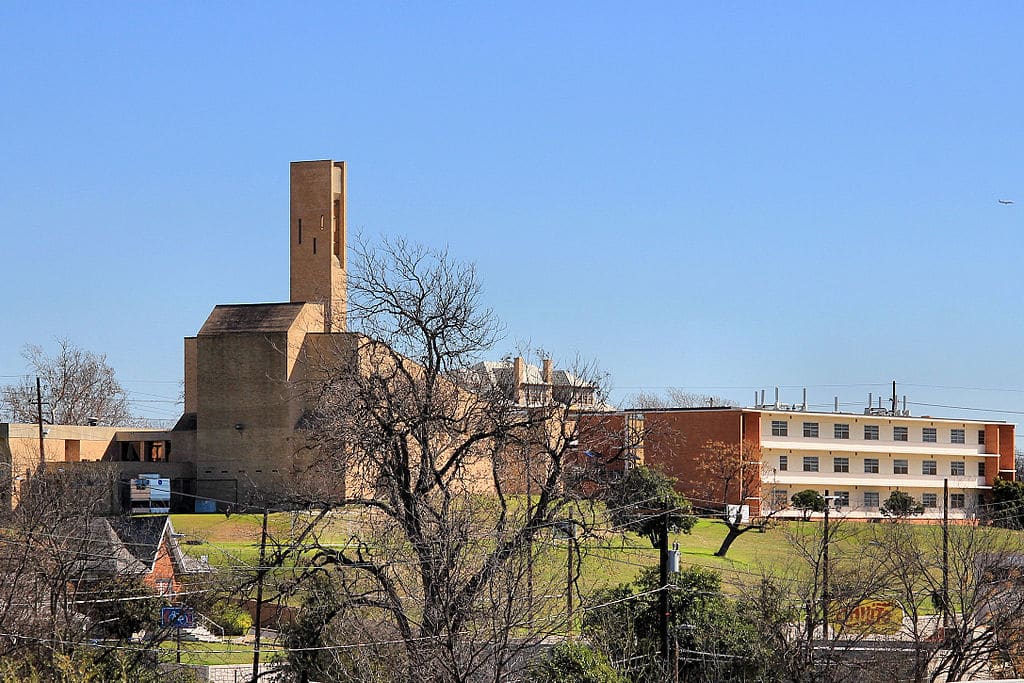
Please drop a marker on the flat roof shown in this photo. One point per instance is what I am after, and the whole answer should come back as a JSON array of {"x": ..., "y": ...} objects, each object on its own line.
[{"x": 809, "y": 413}]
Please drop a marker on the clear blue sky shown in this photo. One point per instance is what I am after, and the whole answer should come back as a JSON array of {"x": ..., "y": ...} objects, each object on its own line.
[{"x": 720, "y": 196}]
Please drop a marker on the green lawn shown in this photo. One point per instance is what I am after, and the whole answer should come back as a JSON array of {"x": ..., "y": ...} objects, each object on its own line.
[
  {"x": 193, "y": 652},
  {"x": 605, "y": 562},
  {"x": 234, "y": 543}
]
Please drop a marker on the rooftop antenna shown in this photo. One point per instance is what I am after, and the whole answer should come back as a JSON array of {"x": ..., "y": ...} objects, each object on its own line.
[{"x": 836, "y": 408}]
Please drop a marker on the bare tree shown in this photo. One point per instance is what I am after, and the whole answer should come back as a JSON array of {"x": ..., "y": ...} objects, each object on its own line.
[
  {"x": 675, "y": 397},
  {"x": 733, "y": 471},
  {"x": 61, "y": 593},
  {"x": 79, "y": 386},
  {"x": 899, "y": 603},
  {"x": 963, "y": 596},
  {"x": 429, "y": 460},
  {"x": 805, "y": 612}
]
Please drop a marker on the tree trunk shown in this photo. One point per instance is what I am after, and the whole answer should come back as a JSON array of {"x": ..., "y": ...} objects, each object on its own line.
[{"x": 734, "y": 532}]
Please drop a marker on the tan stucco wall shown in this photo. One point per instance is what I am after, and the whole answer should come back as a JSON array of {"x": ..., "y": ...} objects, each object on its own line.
[{"x": 318, "y": 247}]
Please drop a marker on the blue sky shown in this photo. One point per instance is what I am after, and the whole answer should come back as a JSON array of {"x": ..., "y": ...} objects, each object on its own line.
[{"x": 720, "y": 196}]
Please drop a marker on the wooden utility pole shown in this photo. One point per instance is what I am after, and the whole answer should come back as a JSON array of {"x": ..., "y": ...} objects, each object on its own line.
[
  {"x": 663, "y": 594},
  {"x": 945, "y": 556},
  {"x": 529, "y": 535},
  {"x": 824, "y": 575},
  {"x": 568, "y": 568},
  {"x": 260, "y": 573},
  {"x": 39, "y": 417}
]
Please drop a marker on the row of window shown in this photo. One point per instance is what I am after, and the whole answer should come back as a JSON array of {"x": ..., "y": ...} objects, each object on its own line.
[
  {"x": 871, "y": 499},
  {"x": 871, "y": 432},
  {"x": 957, "y": 468}
]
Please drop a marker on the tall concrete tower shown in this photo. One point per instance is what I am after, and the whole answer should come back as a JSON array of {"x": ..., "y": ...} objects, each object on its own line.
[{"x": 318, "y": 238}]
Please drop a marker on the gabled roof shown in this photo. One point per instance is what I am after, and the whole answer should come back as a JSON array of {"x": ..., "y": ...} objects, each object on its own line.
[
  {"x": 131, "y": 545},
  {"x": 241, "y": 318},
  {"x": 107, "y": 555},
  {"x": 500, "y": 372},
  {"x": 141, "y": 536}
]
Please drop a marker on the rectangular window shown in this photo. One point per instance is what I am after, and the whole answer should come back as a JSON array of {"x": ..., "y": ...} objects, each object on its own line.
[
  {"x": 840, "y": 464},
  {"x": 928, "y": 435},
  {"x": 957, "y": 468},
  {"x": 981, "y": 469},
  {"x": 900, "y": 466},
  {"x": 783, "y": 463},
  {"x": 811, "y": 430},
  {"x": 956, "y": 500},
  {"x": 842, "y": 499},
  {"x": 956, "y": 436},
  {"x": 900, "y": 433},
  {"x": 930, "y": 500},
  {"x": 871, "y": 499},
  {"x": 780, "y": 428},
  {"x": 842, "y": 431},
  {"x": 981, "y": 437},
  {"x": 929, "y": 467},
  {"x": 779, "y": 498},
  {"x": 810, "y": 463},
  {"x": 871, "y": 432},
  {"x": 871, "y": 465}
]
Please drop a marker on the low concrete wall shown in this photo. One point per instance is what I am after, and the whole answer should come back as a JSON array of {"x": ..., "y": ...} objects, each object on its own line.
[{"x": 230, "y": 673}]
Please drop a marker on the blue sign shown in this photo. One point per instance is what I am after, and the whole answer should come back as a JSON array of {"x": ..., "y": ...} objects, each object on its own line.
[{"x": 177, "y": 617}]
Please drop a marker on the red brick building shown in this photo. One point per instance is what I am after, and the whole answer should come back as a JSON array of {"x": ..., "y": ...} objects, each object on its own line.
[{"x": 761, "y": 456}]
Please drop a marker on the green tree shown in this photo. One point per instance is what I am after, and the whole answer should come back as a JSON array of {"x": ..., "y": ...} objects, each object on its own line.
[
  {"x": 633, "y": 501},
  {"x": 574, "y": 662},
  {"x": 713, "y": 642},
  {"x": 808, "y": 501},
  {"x": 900, "y": 505},
  {"x": 1008, "y": 504}
]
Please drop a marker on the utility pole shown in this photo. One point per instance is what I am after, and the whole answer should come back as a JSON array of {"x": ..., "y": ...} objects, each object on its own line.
[
  {"x": 568, "y": 568},
  {"x": 945, "y": 556},
  {"x": 39, "y": 416},
  {"x": 529, "y": 516},
  {"x": 894, "y": 397},
  {"x": 663, "y": 594},
  {"x": 260, "y": 572},
  {"x": 824, "y": 575},
  {"x": 675, "y": 662}
]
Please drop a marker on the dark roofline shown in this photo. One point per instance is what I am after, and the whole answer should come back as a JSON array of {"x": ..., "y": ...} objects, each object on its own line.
[
  {"x": 271, "y": 303},
  {"x": 694, "y": 409}
]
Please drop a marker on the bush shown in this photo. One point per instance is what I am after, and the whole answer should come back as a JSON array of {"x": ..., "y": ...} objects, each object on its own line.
[
  {"x": 233, "y": 619},
  {"x": 808, "y": 501},
  {"x": 573, "y": 662},
  {"x": 901, "y": 504}
]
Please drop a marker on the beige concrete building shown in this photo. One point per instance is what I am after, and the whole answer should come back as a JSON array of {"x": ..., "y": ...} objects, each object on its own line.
[
  {"x": 107, "y": 454},
  {"x": 245, "y": 370},
  {"x": 244, "y": 375}
]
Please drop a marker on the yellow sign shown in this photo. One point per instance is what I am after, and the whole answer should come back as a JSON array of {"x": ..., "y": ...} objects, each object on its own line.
[{"x": 871, "y": 616}]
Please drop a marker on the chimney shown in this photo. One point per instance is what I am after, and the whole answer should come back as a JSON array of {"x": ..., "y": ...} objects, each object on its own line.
[
  {"x": 517, "y": 378},
  {"x": 549, "y": 374}
]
